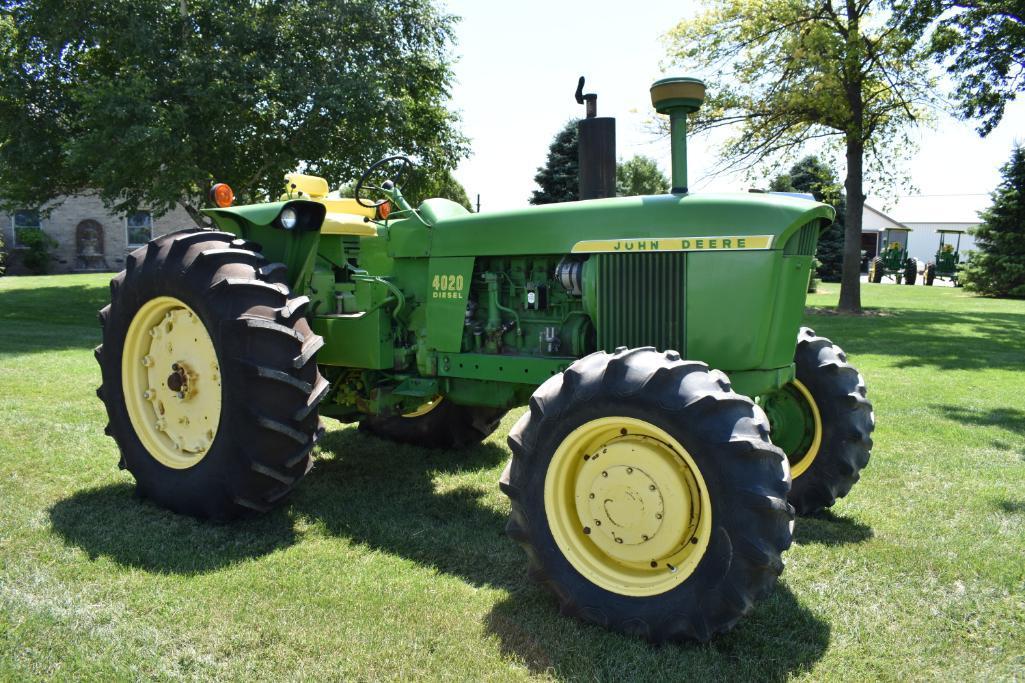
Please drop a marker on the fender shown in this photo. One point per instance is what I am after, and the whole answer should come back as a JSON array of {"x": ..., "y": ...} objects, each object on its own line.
[{"x": 261, "y": 223}]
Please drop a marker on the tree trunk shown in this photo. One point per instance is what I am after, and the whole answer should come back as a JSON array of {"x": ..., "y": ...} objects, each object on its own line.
[{"x": 850, "y": 281}]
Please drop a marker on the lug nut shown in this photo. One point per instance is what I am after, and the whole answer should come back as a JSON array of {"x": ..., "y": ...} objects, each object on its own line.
[
  {"x": 629, "y": 470},
  {"x": 147, "y": 361},
  {"x": 587, "y": 529},
  {"x": 658, "y": 515},
  {"x": 619, "y": 540},
  {"x": 604, "y": 474},
  {"x": 591, "y": 496},
  {"x": 181, "y": 394},
  {"x": 651, "y": 488},
  {"x": 597, "y": 522}
]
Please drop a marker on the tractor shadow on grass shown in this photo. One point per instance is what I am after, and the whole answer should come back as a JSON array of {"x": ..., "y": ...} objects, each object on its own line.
[
  {"x": 394, "y": 498},
  {"x": 113, "y": 522},
  {"x": 400, "y": 499},
  {"x": 827, "y": 528},
  {"x": 778, "y": 639}
]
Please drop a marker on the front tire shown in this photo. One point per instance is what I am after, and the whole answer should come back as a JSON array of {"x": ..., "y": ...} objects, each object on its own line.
[
  {"x": 210, "y": 377},
  {"x": 824, "y": 422},
  {"x": 875, "y": 270},
  {"x": 439, "y": 424},
  {"x": 647, "y": 495},
  {"x": 930, "y": 274},
  {"x": 910, "y": 272}
]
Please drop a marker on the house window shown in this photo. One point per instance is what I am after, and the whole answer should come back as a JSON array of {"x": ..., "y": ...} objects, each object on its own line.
[
  {"x": 22, "y": 221},
  {"x": 140, "y": 228}
]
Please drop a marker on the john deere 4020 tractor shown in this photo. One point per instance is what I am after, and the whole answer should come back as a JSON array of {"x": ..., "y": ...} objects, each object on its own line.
[{"x": 678, "y": 413}]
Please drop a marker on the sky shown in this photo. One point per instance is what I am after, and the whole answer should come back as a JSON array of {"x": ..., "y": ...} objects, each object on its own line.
[{"x": 516, "y": 72}]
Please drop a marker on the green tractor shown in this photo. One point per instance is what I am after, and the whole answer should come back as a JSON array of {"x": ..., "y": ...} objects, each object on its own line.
[
  {"x": 678, "y": 413},
  {"x": 894, "y": 260},
  {"x": 948, "y": 257}
]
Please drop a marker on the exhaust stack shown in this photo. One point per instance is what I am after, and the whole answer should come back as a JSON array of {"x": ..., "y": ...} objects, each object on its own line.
[
  {"x": 678, "y": 96},
  {"x": 596, "y": 152}
]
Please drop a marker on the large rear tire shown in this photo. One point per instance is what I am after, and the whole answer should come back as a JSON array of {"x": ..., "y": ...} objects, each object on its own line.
[
  {"x": 210, "y": 377},
  {"x": 647, "y": 495},
  {"x": 824, "y": 422},
  {"x": 440, "y": 424}
]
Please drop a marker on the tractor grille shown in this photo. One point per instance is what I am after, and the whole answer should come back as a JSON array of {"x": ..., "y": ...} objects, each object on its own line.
[
  {"x": 804, "y": 241},
  {"x": 641, "y": 300}
]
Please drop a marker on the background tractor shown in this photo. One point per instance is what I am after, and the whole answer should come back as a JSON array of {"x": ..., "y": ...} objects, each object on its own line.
[
  {"x": 894, "y": 261},
  {"x": 678, "y": 413},
  {"x": 948, "y": 257}
]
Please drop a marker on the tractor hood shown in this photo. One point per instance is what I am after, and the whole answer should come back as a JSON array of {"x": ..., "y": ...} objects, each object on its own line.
[{"x": 692, "y": 222}]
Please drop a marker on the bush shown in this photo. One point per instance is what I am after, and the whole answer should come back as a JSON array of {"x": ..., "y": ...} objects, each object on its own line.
[{"x": 35, "y": 247}]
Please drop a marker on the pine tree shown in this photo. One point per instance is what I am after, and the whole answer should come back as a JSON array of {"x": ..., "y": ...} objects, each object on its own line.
[
  {"x": 998, "y": 267},
  {"x": 816, "y": 178},
  {"x": 559, "y": 178}
]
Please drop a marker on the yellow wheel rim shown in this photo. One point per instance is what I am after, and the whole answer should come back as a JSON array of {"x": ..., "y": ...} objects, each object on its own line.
[
  {"x": 802, "y": 465},
  {"x": 172, "y": 382},
  {"x": 426, "y": 407},
  {"x": 627, "y": 506}
]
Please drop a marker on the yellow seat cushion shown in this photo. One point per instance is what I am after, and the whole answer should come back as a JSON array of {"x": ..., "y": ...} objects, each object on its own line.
[
  {"x": 347, "y": 224},
  {"x": 312, "y": 186}
]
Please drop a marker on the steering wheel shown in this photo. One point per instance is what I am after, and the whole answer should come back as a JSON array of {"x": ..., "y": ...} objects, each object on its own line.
[{"x": 387, "y": 186}]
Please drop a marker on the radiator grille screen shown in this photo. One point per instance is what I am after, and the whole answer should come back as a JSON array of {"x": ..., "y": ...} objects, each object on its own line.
[
  {"x": 803, "y": 242},
  {"x": 641, "y": 300}
]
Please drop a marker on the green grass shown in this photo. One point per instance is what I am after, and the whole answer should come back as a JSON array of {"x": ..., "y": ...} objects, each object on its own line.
[{"x": 390, "y": 562}]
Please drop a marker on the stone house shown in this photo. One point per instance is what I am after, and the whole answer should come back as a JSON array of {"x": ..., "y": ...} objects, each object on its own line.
[{"x": 89, "y": 237}]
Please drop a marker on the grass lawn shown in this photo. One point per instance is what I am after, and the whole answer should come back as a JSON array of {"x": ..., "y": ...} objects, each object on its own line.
[{"x": 391, "y": 562}]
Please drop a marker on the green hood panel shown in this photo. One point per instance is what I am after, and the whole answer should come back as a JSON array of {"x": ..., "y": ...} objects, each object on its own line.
[{"x": 556, "y": 228}]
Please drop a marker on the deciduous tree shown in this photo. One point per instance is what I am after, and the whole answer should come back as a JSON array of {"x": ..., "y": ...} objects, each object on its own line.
[
  {"x": 787, "y": 73},
  {"x": 148, "y": 102},
  {"x": 640, "y": 175}
]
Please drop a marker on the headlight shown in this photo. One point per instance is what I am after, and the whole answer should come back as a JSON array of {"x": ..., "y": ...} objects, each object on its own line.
[{"x": 288, "y": 219}]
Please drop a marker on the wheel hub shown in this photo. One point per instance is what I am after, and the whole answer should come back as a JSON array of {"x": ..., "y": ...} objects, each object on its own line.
[
  {"x": 172, "y": 382},
  {"x": 634, "y": 512}
]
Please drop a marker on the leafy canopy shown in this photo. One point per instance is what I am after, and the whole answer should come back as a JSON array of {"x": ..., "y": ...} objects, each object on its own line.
[
  {"x": 982, "y": 45},
  {"x": 640, "y": 175},
  {"x": 149, "y": 102},
  {"x": 790, "y": 72},
  {"x": 998, "y": 267}
]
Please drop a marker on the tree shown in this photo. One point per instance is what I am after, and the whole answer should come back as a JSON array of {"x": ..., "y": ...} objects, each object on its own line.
[
  {"x": 982, "y": 45},
  {"x": 149, "y": 102},
  {"x": 559, "y": 179},
  {"x": 998, "y": 267},
  {"x": 427, "y": 183},
  {"x": 788, "y": 73},
  {"x": 640, "y": 176},
  {"x": 812, "y": 176}
]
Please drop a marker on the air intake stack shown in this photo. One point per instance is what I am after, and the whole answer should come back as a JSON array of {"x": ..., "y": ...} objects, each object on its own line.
[{"x": 678, "y": 96}]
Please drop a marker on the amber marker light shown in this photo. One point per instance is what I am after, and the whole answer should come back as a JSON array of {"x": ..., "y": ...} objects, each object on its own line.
[
  {"x": 221, "y": 195},
  {"x": 383, "y": 210}
]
